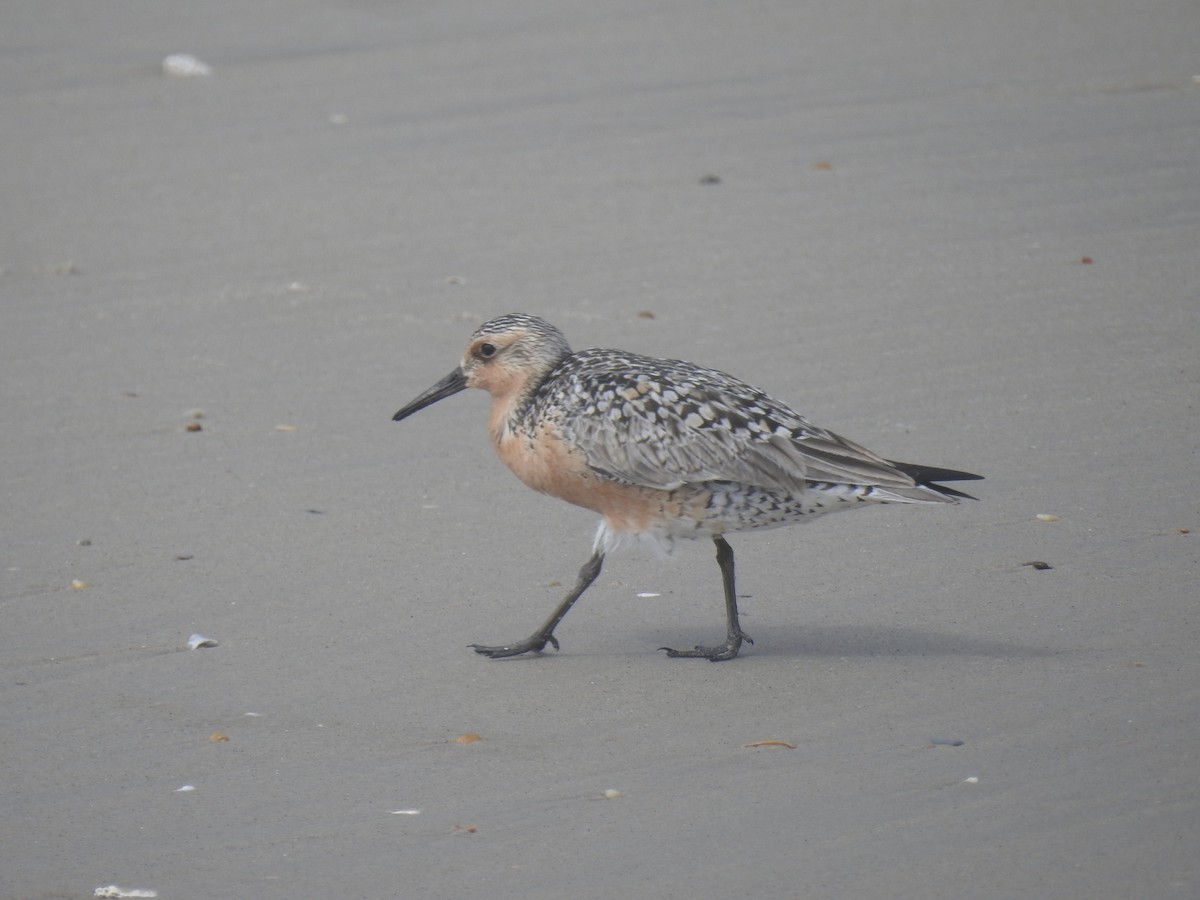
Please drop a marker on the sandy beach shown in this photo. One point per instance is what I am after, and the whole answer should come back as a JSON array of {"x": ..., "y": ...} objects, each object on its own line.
[{"x": 966, "y": 235}]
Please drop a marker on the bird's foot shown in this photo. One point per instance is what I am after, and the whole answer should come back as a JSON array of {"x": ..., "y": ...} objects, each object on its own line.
[
  {"x": 728, "y": 650},
  {"x": 535, "y": 643}
]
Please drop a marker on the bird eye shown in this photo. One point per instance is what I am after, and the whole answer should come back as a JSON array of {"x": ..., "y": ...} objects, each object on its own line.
[{"x": 487, "y": 351}]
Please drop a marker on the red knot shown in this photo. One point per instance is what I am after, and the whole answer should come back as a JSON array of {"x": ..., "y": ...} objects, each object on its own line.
[{"x": 662, "y": 449}]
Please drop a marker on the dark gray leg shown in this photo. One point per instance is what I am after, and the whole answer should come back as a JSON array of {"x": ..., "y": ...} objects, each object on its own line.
[
  {"x": 545, "y": 635},
  {"x": 733, "y": 631}
]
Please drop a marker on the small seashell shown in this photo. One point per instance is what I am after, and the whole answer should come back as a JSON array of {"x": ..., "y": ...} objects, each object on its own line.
[
  {"x": 217, "y": 737},
  {"x": 1047, "y": 517},
  {"x": 469, "y": 738},
  {"x": 185, "y": 789},
  {"x": 193, "y": 426},
  {"x": 113, "y": 890},
  {"x": 77, "y": 585},
  {"x": 285, "y": 427},
  {"x": 196, "y": 641},
  {"x": 183, "y": 65},
  {"x": 612, "y": 793},
  {"x": 406, "y": 812},
  {"x": 974, "y": 779},
  {"x": 770, "y": 744},
  {"x": 646, "y": 595}
]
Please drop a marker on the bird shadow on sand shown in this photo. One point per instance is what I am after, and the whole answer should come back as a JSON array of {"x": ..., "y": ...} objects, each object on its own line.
[{"x": 876, "y": 640}]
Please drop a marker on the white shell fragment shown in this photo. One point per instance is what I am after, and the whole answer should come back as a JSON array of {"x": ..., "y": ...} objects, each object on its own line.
[
  {"x": 112, "y": 890},
  {"x": 612, "y": 793},
  {"x": 974, "y": 779},
  {"x": 183, "y": 65},
  {"x": 196, "y": 641},
  {"x": 406, "y": 812},
  {"x": 646, "y": 595},
  {"x": 185, "y": 789}
]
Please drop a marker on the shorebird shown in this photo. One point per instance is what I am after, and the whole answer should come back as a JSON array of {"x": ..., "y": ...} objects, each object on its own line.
[{"x": 662, "y": 449}]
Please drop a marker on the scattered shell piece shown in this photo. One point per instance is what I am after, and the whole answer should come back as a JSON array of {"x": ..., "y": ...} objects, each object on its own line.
[
  {"x": 612, "y": 793},
  {"x": 465, "y": 829},
  {"x": 252, "y": 715},
  {"x": 823, "y": 165},
  {"x": 469, "y": 738},
  {"x": 947, "y": 742},
  {"x": 770, "y": 744},
  {"x": 1086, "y": 260},
  {"x": 285, "y": 427},
  {"x": 646, "y": 595},
  {"x": 217, "y": 737},
  {"x": 1038, "y": 564},
  {"x": 113, "y": 890},
  {"x": 974, "y": 779},
  {"x": 185, "y": 789},
  {"x": 1047, "y": 517},
  {"x": 193, "y": 426},
  {"x": 645, "y": 314},
  {"x": 184, "y": 65},
  {"x": 1177, "y": 531},
  {"x": 77, "y": 585},
  {"x": 196, "y": 641},
  {"x": 406, "y": 812}
]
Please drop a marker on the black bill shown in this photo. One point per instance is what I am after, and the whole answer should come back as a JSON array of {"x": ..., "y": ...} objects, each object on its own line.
[{"x": 451, "y": 384}]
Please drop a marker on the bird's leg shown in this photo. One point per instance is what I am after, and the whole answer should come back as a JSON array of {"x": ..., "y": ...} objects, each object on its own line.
[
  {"x": 545, "y": 635},
  {"x": 734, "y": 634}
]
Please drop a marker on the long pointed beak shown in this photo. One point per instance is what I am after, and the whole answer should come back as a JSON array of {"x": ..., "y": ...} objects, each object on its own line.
[{"x": 451, "y": 384}]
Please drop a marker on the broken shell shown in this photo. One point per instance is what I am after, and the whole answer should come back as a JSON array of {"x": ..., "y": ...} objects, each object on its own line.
[
  {"x": 183, "y": 65},
  {"x": 77, "y": 585},
  {"x": 196, "y": 641},
  {"x": 612, "y": 793},
  {"x": 770, "y": 744},
  {"x": 185, "y": 789},
  {"x": 406, "y": 812},
  {"x": 469, "y": 738},
  {"x": 1047, "y": 517}
]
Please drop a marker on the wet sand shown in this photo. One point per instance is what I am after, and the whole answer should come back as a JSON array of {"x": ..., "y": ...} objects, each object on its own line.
[{"x": 963, "y": 236}]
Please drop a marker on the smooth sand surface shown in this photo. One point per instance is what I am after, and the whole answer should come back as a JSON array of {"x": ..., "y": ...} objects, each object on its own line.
[{"x": 965, "y": 235}]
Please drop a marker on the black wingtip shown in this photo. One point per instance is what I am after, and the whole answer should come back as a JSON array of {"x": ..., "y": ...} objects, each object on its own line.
[{"x": 928, "y": 476}]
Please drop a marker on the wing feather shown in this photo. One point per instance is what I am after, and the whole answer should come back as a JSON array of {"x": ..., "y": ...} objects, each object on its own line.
[{"x": 667, "y": 423}]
